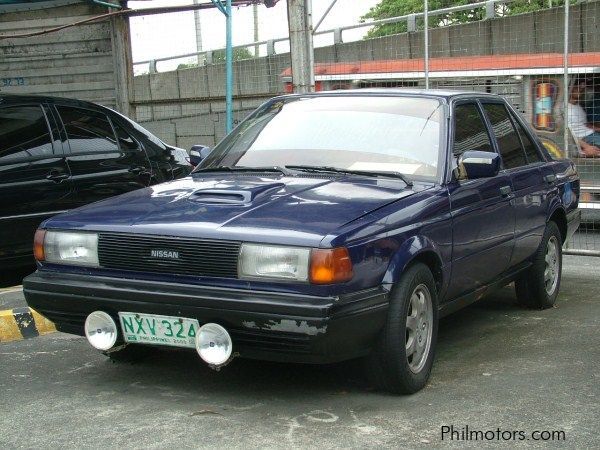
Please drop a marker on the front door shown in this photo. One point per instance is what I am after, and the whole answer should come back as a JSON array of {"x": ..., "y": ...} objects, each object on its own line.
[
  {"x": 34, "y": 178},
  {"x": 483, "y": 218}
]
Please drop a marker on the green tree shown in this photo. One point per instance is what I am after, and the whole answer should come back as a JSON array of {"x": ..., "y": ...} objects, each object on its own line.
[
  {"x": 238, "y": 53},
  {"x": 395, "y": 8},
  {"x": 219, "y": 57}
]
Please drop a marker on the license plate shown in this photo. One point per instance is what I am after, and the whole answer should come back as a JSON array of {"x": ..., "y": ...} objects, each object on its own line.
[{"x": 158, "y": 330}]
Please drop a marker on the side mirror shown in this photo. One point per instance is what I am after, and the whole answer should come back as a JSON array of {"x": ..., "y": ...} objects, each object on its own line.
[
  {"x": 198, "y": 153},
  {"x": 477, "y": 164}
]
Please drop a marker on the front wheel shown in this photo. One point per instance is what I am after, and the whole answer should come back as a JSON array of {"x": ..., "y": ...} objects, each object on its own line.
[
  {"x": 402, "y": 359},
  {"x": 538, "y": 287}
]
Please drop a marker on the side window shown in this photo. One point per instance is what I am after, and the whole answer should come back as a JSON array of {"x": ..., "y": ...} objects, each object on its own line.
[
  {"x": 126, "y": 142},
  {"x": 470, "y": 132},
  {"x": 88, "y": 131},
  {"x": 533, "y": 155},
  {"x": 508, "y": 139},
  {"x": 24, "y": 133}
]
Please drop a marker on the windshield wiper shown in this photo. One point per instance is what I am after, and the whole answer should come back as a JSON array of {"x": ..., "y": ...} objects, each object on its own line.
[
  {"x": 368, "y": 173},
  {"x": 279, "y": 169}
]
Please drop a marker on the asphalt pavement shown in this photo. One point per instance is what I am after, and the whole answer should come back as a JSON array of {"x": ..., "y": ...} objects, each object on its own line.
[{"x": 499, "y": 368}]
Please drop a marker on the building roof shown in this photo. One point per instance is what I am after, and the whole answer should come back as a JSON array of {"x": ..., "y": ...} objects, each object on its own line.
[{"x": 511, "y": 62}]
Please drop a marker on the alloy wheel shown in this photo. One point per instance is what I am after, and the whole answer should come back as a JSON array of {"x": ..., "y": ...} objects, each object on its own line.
[
  {"x": 552, "y": 270},
  {"x": 419, "y": 328}
]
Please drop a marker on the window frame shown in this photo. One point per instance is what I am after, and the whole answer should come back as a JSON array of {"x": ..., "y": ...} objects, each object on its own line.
[
  {"x": 56, "y": 153},
  {"x": 92, "y": 111}
]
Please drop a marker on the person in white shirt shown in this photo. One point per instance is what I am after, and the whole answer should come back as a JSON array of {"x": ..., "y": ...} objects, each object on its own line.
[{"x": 586, "y": 133}]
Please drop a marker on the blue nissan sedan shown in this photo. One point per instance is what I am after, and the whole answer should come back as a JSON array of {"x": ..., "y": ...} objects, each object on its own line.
[{"x": 325, "y": 227}]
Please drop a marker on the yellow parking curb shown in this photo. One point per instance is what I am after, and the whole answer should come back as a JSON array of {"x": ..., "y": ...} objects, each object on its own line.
[{"x": 23, "y": 323}]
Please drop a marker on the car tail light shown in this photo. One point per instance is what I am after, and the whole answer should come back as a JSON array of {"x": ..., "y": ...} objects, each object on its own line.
[
  {"x": 38, "y": 245},
  {"x": 330, "y": 266}
]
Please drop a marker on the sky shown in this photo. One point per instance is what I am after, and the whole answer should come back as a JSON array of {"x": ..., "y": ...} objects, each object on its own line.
[{"x": 156, "y": 36}]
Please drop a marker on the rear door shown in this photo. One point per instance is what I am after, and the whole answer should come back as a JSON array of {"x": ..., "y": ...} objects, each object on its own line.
[
  {"x": 104, "y": 162},
  {"x": 524, "y": 165},
  {"x": 34, "y": 177},
  {"x": 483, "y": 218}
]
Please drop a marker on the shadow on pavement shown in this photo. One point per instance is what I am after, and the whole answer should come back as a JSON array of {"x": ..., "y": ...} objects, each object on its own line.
[{"x": 185, "y": 371}]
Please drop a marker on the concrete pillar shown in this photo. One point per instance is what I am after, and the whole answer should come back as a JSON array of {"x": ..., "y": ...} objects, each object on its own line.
[
  {"x": 198, "y": 29},
  {"x": 123, "y": 65},
  {"x": 301, "y": 45}
]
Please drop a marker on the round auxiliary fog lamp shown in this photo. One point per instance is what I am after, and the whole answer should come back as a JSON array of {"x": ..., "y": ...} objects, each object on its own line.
[
  {"x": 100, "y": 330},
  {"x": 213, "y": 344}
]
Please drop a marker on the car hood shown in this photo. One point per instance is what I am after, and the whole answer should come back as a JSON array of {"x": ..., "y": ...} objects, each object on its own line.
[{"x": 292, "y": 210}]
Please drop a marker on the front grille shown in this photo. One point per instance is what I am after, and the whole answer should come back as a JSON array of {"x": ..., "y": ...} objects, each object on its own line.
[{"x": 167, "y": 254}]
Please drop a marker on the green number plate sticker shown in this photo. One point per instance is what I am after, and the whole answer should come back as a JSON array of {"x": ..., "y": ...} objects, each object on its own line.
[{"x": 158, "y": 330}]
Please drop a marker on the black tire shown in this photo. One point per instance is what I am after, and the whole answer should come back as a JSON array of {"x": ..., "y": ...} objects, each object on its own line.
[
  {"x": 129, "y": 353},
  {"x": 531, "y": 287},
  {"x": 388, "y": 366}
]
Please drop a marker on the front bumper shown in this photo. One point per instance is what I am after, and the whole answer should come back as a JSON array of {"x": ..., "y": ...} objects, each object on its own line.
[{"x": 263, "y": 325}]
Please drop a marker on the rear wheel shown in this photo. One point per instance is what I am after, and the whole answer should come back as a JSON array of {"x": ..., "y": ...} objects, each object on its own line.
[
  {"x": 402, "y": 359},
  {"x": 539, "y": 286}
]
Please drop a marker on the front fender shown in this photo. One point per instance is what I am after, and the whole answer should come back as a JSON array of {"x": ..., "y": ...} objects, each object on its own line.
[{"x": 411, "y": 249}]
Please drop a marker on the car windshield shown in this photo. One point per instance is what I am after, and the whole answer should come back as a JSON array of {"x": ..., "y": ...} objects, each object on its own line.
[{"x": 356, "y": 133}]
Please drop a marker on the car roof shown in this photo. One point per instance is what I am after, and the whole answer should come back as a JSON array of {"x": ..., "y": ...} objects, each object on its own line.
[
  {"x": 437, "y": 93},
  {"x": 445, "y": 93},
  {"x": 12, "y": 98},
  {"x": 426, "y": 93}
]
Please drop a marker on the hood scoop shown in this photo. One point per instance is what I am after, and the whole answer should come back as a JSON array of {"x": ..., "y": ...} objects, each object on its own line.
[
  {"x": 232, "y": 196},
  {"x": 223, "y": 197}
]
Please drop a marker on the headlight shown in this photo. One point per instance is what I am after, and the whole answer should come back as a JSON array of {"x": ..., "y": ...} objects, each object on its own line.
[
  {"x": 67, "y": 247},
  {"x": 317, "y": 266},
  {"x": 269, "y": 261}
]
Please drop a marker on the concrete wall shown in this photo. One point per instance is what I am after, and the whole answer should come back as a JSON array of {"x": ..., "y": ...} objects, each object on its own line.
[
  {"x": 186, "y": 107},
  {"x": 76, "y": 62}
]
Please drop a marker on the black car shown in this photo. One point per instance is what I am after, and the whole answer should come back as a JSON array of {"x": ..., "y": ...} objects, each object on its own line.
[{"x": 57, "y": 154}]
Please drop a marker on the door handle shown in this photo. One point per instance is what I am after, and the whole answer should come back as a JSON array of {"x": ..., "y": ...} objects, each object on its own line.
[
  {"x": 57, "y": 176},
  {"x": 505, "y": 191},
  {"x": 550, "y": 178}
]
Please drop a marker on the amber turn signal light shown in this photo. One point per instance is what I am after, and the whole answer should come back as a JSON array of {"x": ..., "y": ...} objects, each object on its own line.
[
  {"x": 38, "y": 245},
  {"x": 331, "y": 265}
]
